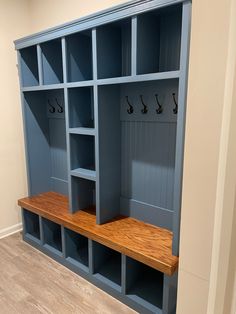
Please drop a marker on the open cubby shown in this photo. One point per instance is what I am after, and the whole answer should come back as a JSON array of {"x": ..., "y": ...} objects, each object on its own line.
[
  {"x": 29, "y": 66},
  {"x": 82, "y": 152},
  {"x": 144, "y": 284},
  {"x": 79, "y": 56},
  {"x": 114, "y": 49},
  {"x": 83, "y": 193},
  {"x": 76, "y": 247},
  {"x": 31, "y": 224},
  {"x": 81, "y": 107},
  {"x": 52, "y": 236},
  {"x": 52, "y": 62},
  {"x": 107, "y": 265},
  {"x": 159, "y": 40},
  {"x": 46, "y": 141}
]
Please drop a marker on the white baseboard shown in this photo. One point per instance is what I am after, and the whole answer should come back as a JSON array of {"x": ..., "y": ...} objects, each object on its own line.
[{"x": 10, "y": 230}]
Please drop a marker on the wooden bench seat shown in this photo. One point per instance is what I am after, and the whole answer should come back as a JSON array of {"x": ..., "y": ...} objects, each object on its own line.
[{"x": 144, "y": 242}]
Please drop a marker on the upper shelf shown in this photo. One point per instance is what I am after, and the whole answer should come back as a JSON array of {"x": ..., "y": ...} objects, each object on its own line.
[
  {"x": 143, "y": 242},
  {"x": 152, "y": 41}
]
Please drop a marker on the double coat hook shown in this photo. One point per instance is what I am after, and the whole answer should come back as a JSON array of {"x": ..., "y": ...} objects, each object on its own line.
[
  {"x": 52, "y": 108},
  {"x": 145, "y": 109},
  {"x": 130, "y": 109},
  {"x": 159, "y": 110},
  {"x": 175, "y": 110},
  {"x": 60, "y": 110}
]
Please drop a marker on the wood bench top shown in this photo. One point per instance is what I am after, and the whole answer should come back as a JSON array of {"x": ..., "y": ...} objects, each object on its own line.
[{"x": 146, "y": 243}]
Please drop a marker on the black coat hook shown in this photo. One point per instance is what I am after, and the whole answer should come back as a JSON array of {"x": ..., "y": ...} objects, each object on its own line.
[
  {"x": 60, "y": 110},
  {"x": 159, "y": 110},
  {"x": 145, "y": 109},
  {"x": 175, "y": 110},
  {"x": 130, "y": 109},
  {"x": 52, "y": 108}
]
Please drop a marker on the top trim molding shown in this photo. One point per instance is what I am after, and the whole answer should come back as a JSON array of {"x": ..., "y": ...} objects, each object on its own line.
[{"x": 127, "y": 9}]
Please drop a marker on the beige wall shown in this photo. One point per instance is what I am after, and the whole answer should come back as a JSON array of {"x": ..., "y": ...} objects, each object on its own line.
[
  {"x": 14, "y": 23},
  {"x": 204, "y": 165}
]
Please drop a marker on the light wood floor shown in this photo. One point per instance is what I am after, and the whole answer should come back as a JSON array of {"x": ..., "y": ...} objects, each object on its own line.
[{"x": 31, "y": 282}]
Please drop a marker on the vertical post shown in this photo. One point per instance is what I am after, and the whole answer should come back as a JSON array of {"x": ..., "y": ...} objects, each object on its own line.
[
  {"x": 184, "y": 54},
  {"x": 63, "y": 42},
  {"x": 40, "y": 68},
  {"x": 134, "y": 46},
  {"x": 169, "y": 294},
  {"x": 90, "y": 259},
  {"x": 95, "y": 101}
]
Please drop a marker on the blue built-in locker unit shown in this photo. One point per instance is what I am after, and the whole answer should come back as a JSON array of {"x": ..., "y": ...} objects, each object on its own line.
[{"x": 104, "y": 102}]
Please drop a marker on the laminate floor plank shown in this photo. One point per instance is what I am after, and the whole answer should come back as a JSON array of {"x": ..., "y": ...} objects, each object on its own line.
[{"x": 33, "y": 283}]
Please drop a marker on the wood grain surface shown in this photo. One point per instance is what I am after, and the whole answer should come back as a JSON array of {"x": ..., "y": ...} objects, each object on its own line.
[
  {"x": 33, "y": 283},
  {"x": 146, "y": 243}
]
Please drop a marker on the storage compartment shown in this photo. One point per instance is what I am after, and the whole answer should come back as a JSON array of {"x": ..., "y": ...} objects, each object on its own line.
[
  {"x": 31, "y": 224},
  {"x": 82, "y": 152},
  {"x": 46, "y": 141},
  {"x": 52, "y": 236},
  {"x": 29, "y": 66},
  {"x": 159, "y": 40},
  {"x": 83, "y": 194},
  {"x": 79, "y": 57},
  {"x": 81, "y": 107},
  {"x": 107, "y": 265},
  {"x": 114, "y": 49},
  {"x": 76, "y": 249},
  {"x": 137, "y": 151},
  {"x": 52, "y": 62},
  {"x": 144, "y": 285}
]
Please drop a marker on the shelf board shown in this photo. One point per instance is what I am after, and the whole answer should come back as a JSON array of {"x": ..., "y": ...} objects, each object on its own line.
[
  {"x": 42, "y": 87},
  {"x": 84, "y": 173},
  {"x": 82, "y": 131},
  {"x": 140, "y": 78},
  {"x": 79, "y": 84},
  {"x": 146, "y": 243}
]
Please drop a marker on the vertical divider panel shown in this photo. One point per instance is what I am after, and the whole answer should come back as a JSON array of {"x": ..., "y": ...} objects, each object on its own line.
[
  {"x": 67, "y": 121},
  {"x": 63, "y": 241},
  {"x": 91, "y": 259},
  {"x": 134, "y": 46},
  {"x": 95, "y": 95},
  {"x": 123, "y": 274},
  {"x": 169, "y": 293},
  {"x": 40, "y": 70},
  {"x": 41, "y": 230},
  {"x": 180, "y": 132}
]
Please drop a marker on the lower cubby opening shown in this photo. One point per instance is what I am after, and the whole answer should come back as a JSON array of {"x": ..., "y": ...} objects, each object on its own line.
[
  {"x": 83, "y": 194},
  {"x": 31, "y": 221},
  {"x": 144, "y": 284},
  {"x": 76, "y": 247},
  {"x": 52, "y": 236},
  {"x": 107, "y": 265}
]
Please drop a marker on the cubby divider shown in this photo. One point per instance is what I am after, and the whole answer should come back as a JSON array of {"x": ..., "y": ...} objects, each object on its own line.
[
  {"x": 29, "y": 66},
  {"x": 52, "y": 236},
  {"x": 76, "y": 249},
  {"x": 31, "y": 225},
  {"x": 107, "y": 265}
]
